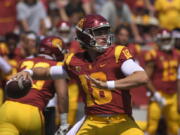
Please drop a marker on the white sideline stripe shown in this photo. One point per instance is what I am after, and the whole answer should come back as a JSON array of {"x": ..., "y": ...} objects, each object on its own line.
[{"x": 76, "y": 127}]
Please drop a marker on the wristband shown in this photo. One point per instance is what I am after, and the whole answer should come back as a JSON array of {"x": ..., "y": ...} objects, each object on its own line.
[
  {"x": 110, "y": 84},
  {"x": 57, "y": 72},
  {"x": 157, "y": 95},
  {"x": 29, "y": 71},
  {"x": 63, "y": 118}
]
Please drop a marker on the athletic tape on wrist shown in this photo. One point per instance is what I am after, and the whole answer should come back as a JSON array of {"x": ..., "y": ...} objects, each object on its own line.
[
  {"x": 29, "y": 71},
  {"x": 111, "y": 84},
  {"x": 57, "y": 72},
  {"x": 63, "y": 117}
]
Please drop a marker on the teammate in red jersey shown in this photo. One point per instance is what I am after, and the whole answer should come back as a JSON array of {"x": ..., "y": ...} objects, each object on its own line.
[
  {"x": 107, "y": 111},
  {"x": 139, "y": 99},
  {"x": 65, "y": 30},
  {"x": 25, "y": 115},
  {"x": 162, "y": 67}
]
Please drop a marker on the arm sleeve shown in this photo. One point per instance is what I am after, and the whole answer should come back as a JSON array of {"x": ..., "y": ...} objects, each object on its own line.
[
  {"x": 4, "y": 66},
  {"x": 58, "y": 72},
  {"x": 129, "y": 66}
]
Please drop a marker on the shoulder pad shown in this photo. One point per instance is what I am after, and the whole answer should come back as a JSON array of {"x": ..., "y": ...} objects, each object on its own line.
[{"x": 117, "y": 52}]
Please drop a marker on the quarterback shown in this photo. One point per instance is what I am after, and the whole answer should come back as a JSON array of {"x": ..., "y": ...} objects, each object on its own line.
[{"x": 107, "y": 111}]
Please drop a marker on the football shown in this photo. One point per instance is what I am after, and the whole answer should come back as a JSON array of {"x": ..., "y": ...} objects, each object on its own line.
[{"x": 17, "y": 88}]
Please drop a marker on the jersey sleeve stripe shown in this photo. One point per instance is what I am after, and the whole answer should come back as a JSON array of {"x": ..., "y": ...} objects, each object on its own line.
[
  {"x": 68, "y": 59},
  {"x": 118, "y": 51}
]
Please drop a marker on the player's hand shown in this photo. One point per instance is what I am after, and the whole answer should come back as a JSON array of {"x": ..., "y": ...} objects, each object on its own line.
[
  {"x": 97, "y": 83},
  {"x": 63, "y": 129},
  {"x": 157, "y": 97},
  {"x": 23, "y": 74}
]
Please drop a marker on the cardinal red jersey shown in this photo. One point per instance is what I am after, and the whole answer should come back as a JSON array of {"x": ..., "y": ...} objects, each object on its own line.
[
  {"x": 106, "y": 67},
  {"x": 164, "y": 77},
  {"x": 135, "y": 50},
  {"x": 73, "y": 47},
  {"x": 42, "y": 91}
]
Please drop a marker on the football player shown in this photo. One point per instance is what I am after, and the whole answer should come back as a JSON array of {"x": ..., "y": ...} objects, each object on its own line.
[
  {"x": 139, "y": 99},
  {"x": 25, "y": 115},
  {"x": 162, "y": 68},
  {"x": 107, "y": 111},
  {"x": 65, "y": 30}
]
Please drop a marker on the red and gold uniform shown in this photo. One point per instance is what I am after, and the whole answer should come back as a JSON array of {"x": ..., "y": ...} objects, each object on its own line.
[
  {"x": 139, "y": 98},
  {"x": 74, "y": 46},
  {"x": 164, "y": 79},
  {"x": 73, "y": 88},
  {"x": 104, "y": 109},
  {"x": 24, "y": 115}
]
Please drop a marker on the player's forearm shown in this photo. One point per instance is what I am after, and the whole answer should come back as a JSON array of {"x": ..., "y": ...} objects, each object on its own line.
[
  {"x": 62, "y": 95},
  {"x": 54, "y": 72},
  {"x": 134, "y": 80},
  {"x": 149, "y": 68},
  {"x": 41, "y": 73},
  {"x": 150, "y": 87}
]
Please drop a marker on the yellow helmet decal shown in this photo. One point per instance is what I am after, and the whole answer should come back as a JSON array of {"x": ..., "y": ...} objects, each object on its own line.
[{"x": 57, "y": 42}]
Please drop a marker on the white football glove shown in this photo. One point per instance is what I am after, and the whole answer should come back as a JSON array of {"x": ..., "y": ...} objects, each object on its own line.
[
  {"x": 63, "y": 129},
  {"x": 157, "y": 97}
]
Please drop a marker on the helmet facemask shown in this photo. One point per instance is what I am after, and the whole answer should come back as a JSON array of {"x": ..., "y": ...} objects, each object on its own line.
[
  {"x": 165, "y": 40},
  {"x": 166, "y": 44},
  {"x": 95, "y": 37},
  {"x": 66, "y": 35},
  {"x": 102, "y": 35}
]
